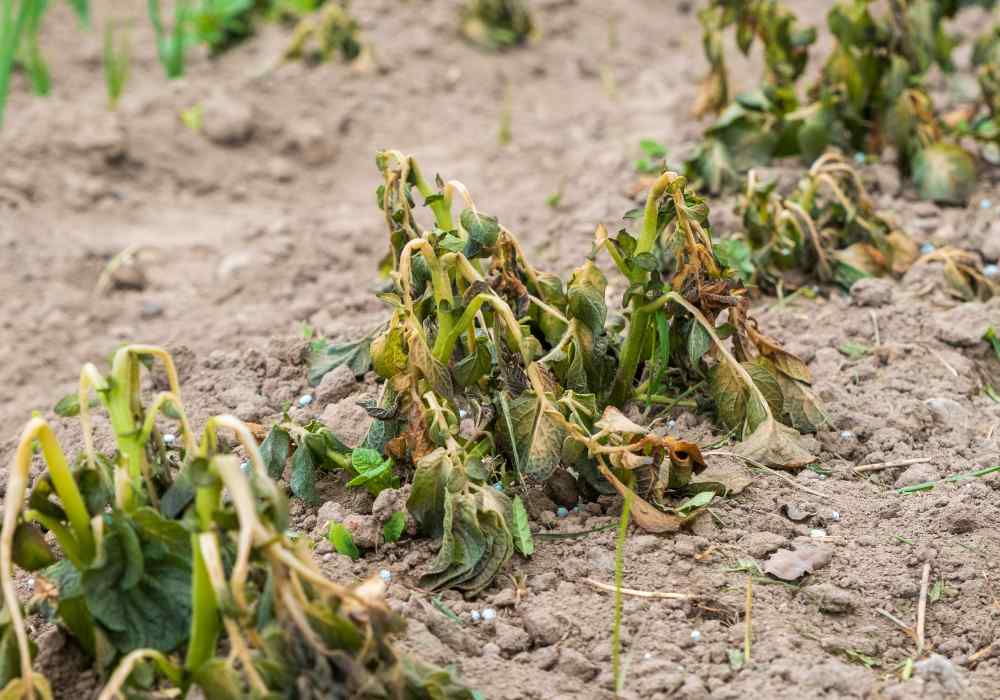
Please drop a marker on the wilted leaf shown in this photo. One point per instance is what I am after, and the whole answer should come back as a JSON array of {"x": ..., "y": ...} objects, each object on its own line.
[
  {"x": 394, "y": 526},
  {"x": 274, "y": 450},
  {"x": 586, "y": 297},
  {"x": 303, "y": 476},
  {"x": 790, "y": 565},
  {"x": 520, "y": 529},
  {"x": 429, "y": 492},
  {"x": 730, "y": 473},
  {"x": 944, "y": 172},
  {"x": 342, "y": 540},
  {"x": 323, "y": 358},
  {"x": 699, "y": 500},
  {"x": 537, "y": 436},
  {"x": 483, "y": 231},
  {"x": 775, "y": 445},
  {"x": 471, "y": 368},
  {"x": 699, "y": 342},
  {"x": 614, "y": 421},
  {"x": 388, "y": 355}
]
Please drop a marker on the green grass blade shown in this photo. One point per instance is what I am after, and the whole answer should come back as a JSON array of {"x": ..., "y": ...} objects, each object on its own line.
[{"x": 11, "y": 31}]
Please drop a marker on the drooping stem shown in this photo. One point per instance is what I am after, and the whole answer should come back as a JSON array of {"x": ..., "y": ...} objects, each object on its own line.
[
  {"x": 640, "y": 320},
  {"x": 112, "y": 691},
  {"x": 205, "y": 607},
  {"x": 440, "y": 207}
]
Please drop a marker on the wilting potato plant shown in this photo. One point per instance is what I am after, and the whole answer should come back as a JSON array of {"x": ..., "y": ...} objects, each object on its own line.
[
  {"x": 497, "y": 24},
  {"x": 169, "y": 546},
  {"x": 869, "y": 95},
  {"x": 828, "y": 229},
  {"x": 497, "y": 373},
  {"x": 785, "y": 45}
]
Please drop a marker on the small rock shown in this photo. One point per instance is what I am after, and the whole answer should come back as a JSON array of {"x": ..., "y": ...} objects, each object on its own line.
[
  {"x": 831, "y": 598},
  {"x": 336, "y": 385},
  {"x": 961, "y": 519},
  {"x": 872, "y": 291},
  {"x": 226, "y": 120},
  {"x": 543, "y": 582},
  {"x": 942, "y": 668},
  {"x": 150, "y": 310},
  {"x": 308, "y": 142},
  {"x": 946, "y": 411},
  {"x": 576, "y": 665},
  {"x": 887, "y": 178},
  {"x": 234, "y": 263},
  {"x": 330, "y": 511},
  {"x": 561, "y": 487},
  {"x": 281, "y": 170},
  {"x": 505, "y": 598},
  {"x": 129, "y": 276},
  {"x": 917, "y": 474},
  {"x": 364, "y": 529},
  {"x": 347, "y": 420},
  {"x": 760, "y": 544},
  {"x": 546, "y": 658},
  {"x": 511, "y": 639},
  {"x": 542, "y": 625}
]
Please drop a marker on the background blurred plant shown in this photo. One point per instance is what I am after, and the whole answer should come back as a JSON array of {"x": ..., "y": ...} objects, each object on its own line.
[{"x": 497, "y": 24}]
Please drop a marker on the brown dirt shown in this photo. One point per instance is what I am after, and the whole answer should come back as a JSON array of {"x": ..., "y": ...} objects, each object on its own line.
[{"x": 242, "y": 243}]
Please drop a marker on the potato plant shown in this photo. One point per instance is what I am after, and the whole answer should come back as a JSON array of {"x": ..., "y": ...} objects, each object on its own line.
[
  {"x": 497, "y": 24},
  {"x": 869, "y": 95},
  {"x": 497, "y": 373},
  {"x": 828, "y": 229},
  {"x": 170, "y": 546}
]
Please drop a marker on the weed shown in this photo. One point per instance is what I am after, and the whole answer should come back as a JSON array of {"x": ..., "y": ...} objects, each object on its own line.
[
  {"x": 652, "y": 162},
  {"x": 616, "y": 628}
]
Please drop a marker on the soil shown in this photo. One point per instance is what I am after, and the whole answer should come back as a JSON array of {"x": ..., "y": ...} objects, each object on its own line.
[{"x": 266, "y": 221}]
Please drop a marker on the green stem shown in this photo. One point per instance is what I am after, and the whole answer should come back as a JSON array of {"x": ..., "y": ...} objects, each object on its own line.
[
  {"x": 640, "y": 321},
  {"x": 63, "y": 536},
  {"x": 69, "y": 495},
  {"x": 205, "y": 623},
  {"x": 616, "y": 629},
  {"x": 670, "y": 401},
  {"x": 442, "y": 207}
]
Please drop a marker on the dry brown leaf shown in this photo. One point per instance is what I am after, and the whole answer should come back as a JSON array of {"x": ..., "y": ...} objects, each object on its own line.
[
  {"x": 729, "y": 472},
  {"x": 645, "y": 515},
  {"x": 789, "y": 565},
  {"x": 775, "y": 445}
]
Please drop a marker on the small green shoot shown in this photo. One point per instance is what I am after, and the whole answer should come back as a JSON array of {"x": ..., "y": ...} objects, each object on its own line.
[
  {"x": 929, "y": 485},
  {"x": 394, "y": 526},
  {"x": 117, "y": 54},
  {"x": 193, "y": 118},
  {"x": 993, "y": 339},
  {"x": 342, "y": 541},
  {"x": 860, "y": 658},
  {"x": 442, "y": 607},
  {"x": 937, "y": 591},
  {"x": 854, "y": 350},
  {"x": 652, "y": 162},
  {"x": 903, "y": 540}
]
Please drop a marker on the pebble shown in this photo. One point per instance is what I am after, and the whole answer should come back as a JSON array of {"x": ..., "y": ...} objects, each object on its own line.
[
  {"x": 498, "y": 486},
  {"x": 385, "y": 574},
  {"x": 991, "y": 270},
  {"x": 169, "y": 438},
  {"x": 985, "y": 204},
  {"x": 305, "y": 400},
  {"x": 859, "y": 158},
  {"x": 475, "y": 616},
  {"x": 817, "y": 532},
  {"x": 562, "y": 512},
  {"x": 695, "y": 635},
  {"x": 245, "y": 466},
  {"x": 927, "y": 249},
  {"x": 489, "y": 614},
  {"x": 835, "y": 515},
  {"x": 846, "y": 435}
]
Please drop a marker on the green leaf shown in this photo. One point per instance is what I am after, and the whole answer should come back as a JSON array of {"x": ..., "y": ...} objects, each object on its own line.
[
  {"x": 699, "y": 500},
  {"x": 483, "y": 231},
  {"x": 586, "y": 297},
  {"x": 218, "y": 680},
  {"x": 471, "y": 368},
  {"x": 303, "y": 477},
  {"x": 373, "y": 472},
  {"x": 148, "y": 610},
  {"x": 68, "y": 406},
  {"x": 341, "y": 539},
  {"x": 323, "y": 358},
  {"x": 944, "y": 172},
  {"x": 394, "y": 526},
  {"x": 434, "y": 472},
  {"x": 653, "y": 149},
  {"x": 274, "y": 450},
  {"x": 520, "y": 529}
]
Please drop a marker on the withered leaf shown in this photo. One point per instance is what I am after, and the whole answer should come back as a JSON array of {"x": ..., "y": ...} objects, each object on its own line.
[
  {"x": 775, "y": 445},
  {"x": 789, "y": 565}
]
